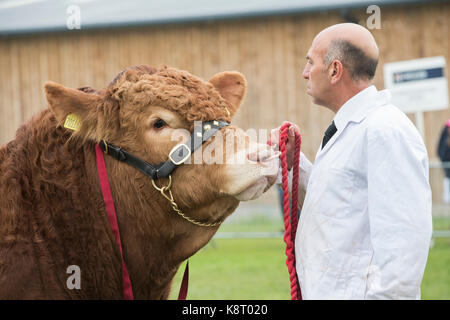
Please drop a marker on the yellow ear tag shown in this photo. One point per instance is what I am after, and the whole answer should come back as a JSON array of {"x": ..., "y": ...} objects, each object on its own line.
[{"x": 73, "y": 122}]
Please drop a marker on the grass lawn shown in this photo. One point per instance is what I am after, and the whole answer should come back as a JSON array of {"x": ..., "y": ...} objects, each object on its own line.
[
  {"x": 237, "y": 269},
  {"x": 436, "y": 280},
  {"x": 255, "y": 268}
]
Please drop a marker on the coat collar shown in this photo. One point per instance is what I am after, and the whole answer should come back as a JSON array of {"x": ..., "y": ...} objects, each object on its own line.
[
  {"x": 355, "y": 110},
  {"x": 357, "y": 107}
]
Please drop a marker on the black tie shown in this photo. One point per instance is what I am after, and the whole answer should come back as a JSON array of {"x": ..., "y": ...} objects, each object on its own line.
[{"x": 328, "y": 134}]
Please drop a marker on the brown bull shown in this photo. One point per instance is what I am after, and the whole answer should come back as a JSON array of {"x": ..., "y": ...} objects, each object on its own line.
[{"x": 52, "y": 213}]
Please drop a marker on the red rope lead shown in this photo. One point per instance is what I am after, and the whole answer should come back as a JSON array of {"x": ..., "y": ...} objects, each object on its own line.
[
  {"x": 290, "y": 220},
  {"x": 112, "y": 218}
]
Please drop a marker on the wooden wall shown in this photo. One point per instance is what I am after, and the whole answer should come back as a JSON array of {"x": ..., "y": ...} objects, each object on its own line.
[{"x": 269, "y": 51}]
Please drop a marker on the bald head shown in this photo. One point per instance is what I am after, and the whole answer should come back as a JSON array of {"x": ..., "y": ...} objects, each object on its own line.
[
  {"x": 351, "y": 44},
  {"x": 351, "y": 32},
  {"x": 341, "y": 62}
]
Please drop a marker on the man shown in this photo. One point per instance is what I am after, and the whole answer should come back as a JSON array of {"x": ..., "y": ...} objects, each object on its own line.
[
  {"x": 365, "y": 223},
  {"x": 444, "y": 154}
]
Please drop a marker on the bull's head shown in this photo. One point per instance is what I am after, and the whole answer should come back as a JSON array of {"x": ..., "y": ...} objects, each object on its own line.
[{"x": 145, "y": 111}]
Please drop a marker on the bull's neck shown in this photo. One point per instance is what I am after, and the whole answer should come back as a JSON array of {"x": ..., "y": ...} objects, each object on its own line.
[{"x": 154, "y": 239}]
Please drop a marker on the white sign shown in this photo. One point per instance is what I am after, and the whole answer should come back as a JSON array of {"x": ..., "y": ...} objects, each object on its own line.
[{"x": 417, "y": 85}]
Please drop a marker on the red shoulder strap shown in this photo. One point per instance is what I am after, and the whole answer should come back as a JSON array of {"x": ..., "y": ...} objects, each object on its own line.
[
  {"x": 112, "y": 218},
  {"x": 184, "y": 283}
]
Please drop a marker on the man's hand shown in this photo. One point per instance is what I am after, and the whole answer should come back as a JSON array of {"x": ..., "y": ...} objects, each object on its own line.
[{"x": 274, "y": 138}]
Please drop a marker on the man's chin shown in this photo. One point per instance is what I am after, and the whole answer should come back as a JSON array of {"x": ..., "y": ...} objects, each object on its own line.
[
  {"x": 317, "y": 101},
  {"x": 313, "y": 97}
]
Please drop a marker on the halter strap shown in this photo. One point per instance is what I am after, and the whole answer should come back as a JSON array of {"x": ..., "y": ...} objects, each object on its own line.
[{"x": 177, "y": 156}]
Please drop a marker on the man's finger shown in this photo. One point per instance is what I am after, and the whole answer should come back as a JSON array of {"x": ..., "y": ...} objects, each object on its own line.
[{"x": 291, "y": 131}]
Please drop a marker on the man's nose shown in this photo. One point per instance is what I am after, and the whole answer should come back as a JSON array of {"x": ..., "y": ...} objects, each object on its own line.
[{"x": 305, "y": 74}]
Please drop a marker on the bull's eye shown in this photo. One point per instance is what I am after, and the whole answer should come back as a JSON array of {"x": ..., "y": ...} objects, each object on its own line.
[{"x": 159, "y": 124}]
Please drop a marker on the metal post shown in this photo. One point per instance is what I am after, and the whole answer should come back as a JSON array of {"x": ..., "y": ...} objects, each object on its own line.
[{"x": 420, "y": 123}]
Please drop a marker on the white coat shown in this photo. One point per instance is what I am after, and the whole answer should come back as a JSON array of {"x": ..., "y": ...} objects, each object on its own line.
[{"x": 365, "y": 225}]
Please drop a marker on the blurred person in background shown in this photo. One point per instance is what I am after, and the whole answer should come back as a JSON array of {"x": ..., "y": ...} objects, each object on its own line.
[{"x": 444, "y": 154}]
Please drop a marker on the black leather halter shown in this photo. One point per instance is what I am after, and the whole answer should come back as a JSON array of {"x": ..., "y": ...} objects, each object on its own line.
[{"x": 177, "y": 156}]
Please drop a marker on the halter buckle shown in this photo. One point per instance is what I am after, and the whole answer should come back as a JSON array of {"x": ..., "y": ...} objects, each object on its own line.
[{"x": 180, "y": 153}]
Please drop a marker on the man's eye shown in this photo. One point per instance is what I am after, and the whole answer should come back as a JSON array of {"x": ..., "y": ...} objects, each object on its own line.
[{"x": 159, "y": 124}]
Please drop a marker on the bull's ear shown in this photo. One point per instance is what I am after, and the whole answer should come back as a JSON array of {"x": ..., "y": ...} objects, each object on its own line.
[
  {"x": 232, "y": 86},
  {"x": 65, "y": 101}
]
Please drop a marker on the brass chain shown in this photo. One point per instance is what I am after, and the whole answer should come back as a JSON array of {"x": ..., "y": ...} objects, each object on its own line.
[{"x": 169, "y": 197}]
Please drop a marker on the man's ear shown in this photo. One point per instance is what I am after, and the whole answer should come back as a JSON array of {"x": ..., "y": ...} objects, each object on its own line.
[
  {"x": 335, "y": 71},
  {"x": 64, "y": 101},
  {"x": 231, "y": 85}
]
